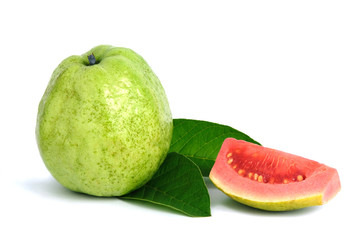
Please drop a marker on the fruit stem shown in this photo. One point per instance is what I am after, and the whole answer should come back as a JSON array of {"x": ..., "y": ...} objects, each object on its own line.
[{"x": 92, "y": 59}]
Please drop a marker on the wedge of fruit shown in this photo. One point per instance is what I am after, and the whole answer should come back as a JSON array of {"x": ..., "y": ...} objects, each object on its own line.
[{"x": 272, "y": 180}]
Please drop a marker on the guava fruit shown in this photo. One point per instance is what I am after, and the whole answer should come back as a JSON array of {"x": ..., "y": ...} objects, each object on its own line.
[
  {"x": 270, "y": 179},
  {"x": 104, "y": 125}
]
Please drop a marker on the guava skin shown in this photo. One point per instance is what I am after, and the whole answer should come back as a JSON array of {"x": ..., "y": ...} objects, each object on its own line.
[{"x": 104, "y": 129}]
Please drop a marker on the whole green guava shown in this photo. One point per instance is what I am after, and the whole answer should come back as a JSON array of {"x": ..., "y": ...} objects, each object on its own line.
[{"x": 104, "y": 125}]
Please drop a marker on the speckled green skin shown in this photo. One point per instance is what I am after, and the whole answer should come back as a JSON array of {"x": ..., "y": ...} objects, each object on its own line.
[{"x": 104, "y": 129}]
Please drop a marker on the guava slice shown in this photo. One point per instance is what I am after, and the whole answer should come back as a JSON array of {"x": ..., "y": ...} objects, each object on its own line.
[{"x": 270, "y": 179}]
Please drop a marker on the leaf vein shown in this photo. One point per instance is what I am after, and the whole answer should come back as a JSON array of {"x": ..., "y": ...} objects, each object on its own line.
[
  {"x": 175, "y": 198},
  {"x": 186, "y": 133},
  {"x": 193, "y": 136}
]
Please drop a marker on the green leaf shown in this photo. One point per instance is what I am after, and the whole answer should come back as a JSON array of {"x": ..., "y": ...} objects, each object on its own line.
[
  {"x": 201, "y": 141},
  {"x": 177, "y": 184}
]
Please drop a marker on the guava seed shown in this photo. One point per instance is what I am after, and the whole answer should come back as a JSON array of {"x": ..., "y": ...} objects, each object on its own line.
[{"x": 245, "y": 168}]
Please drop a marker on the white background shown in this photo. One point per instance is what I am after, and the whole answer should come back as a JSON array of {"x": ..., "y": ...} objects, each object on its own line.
[{"x": 284, "y": 72}]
